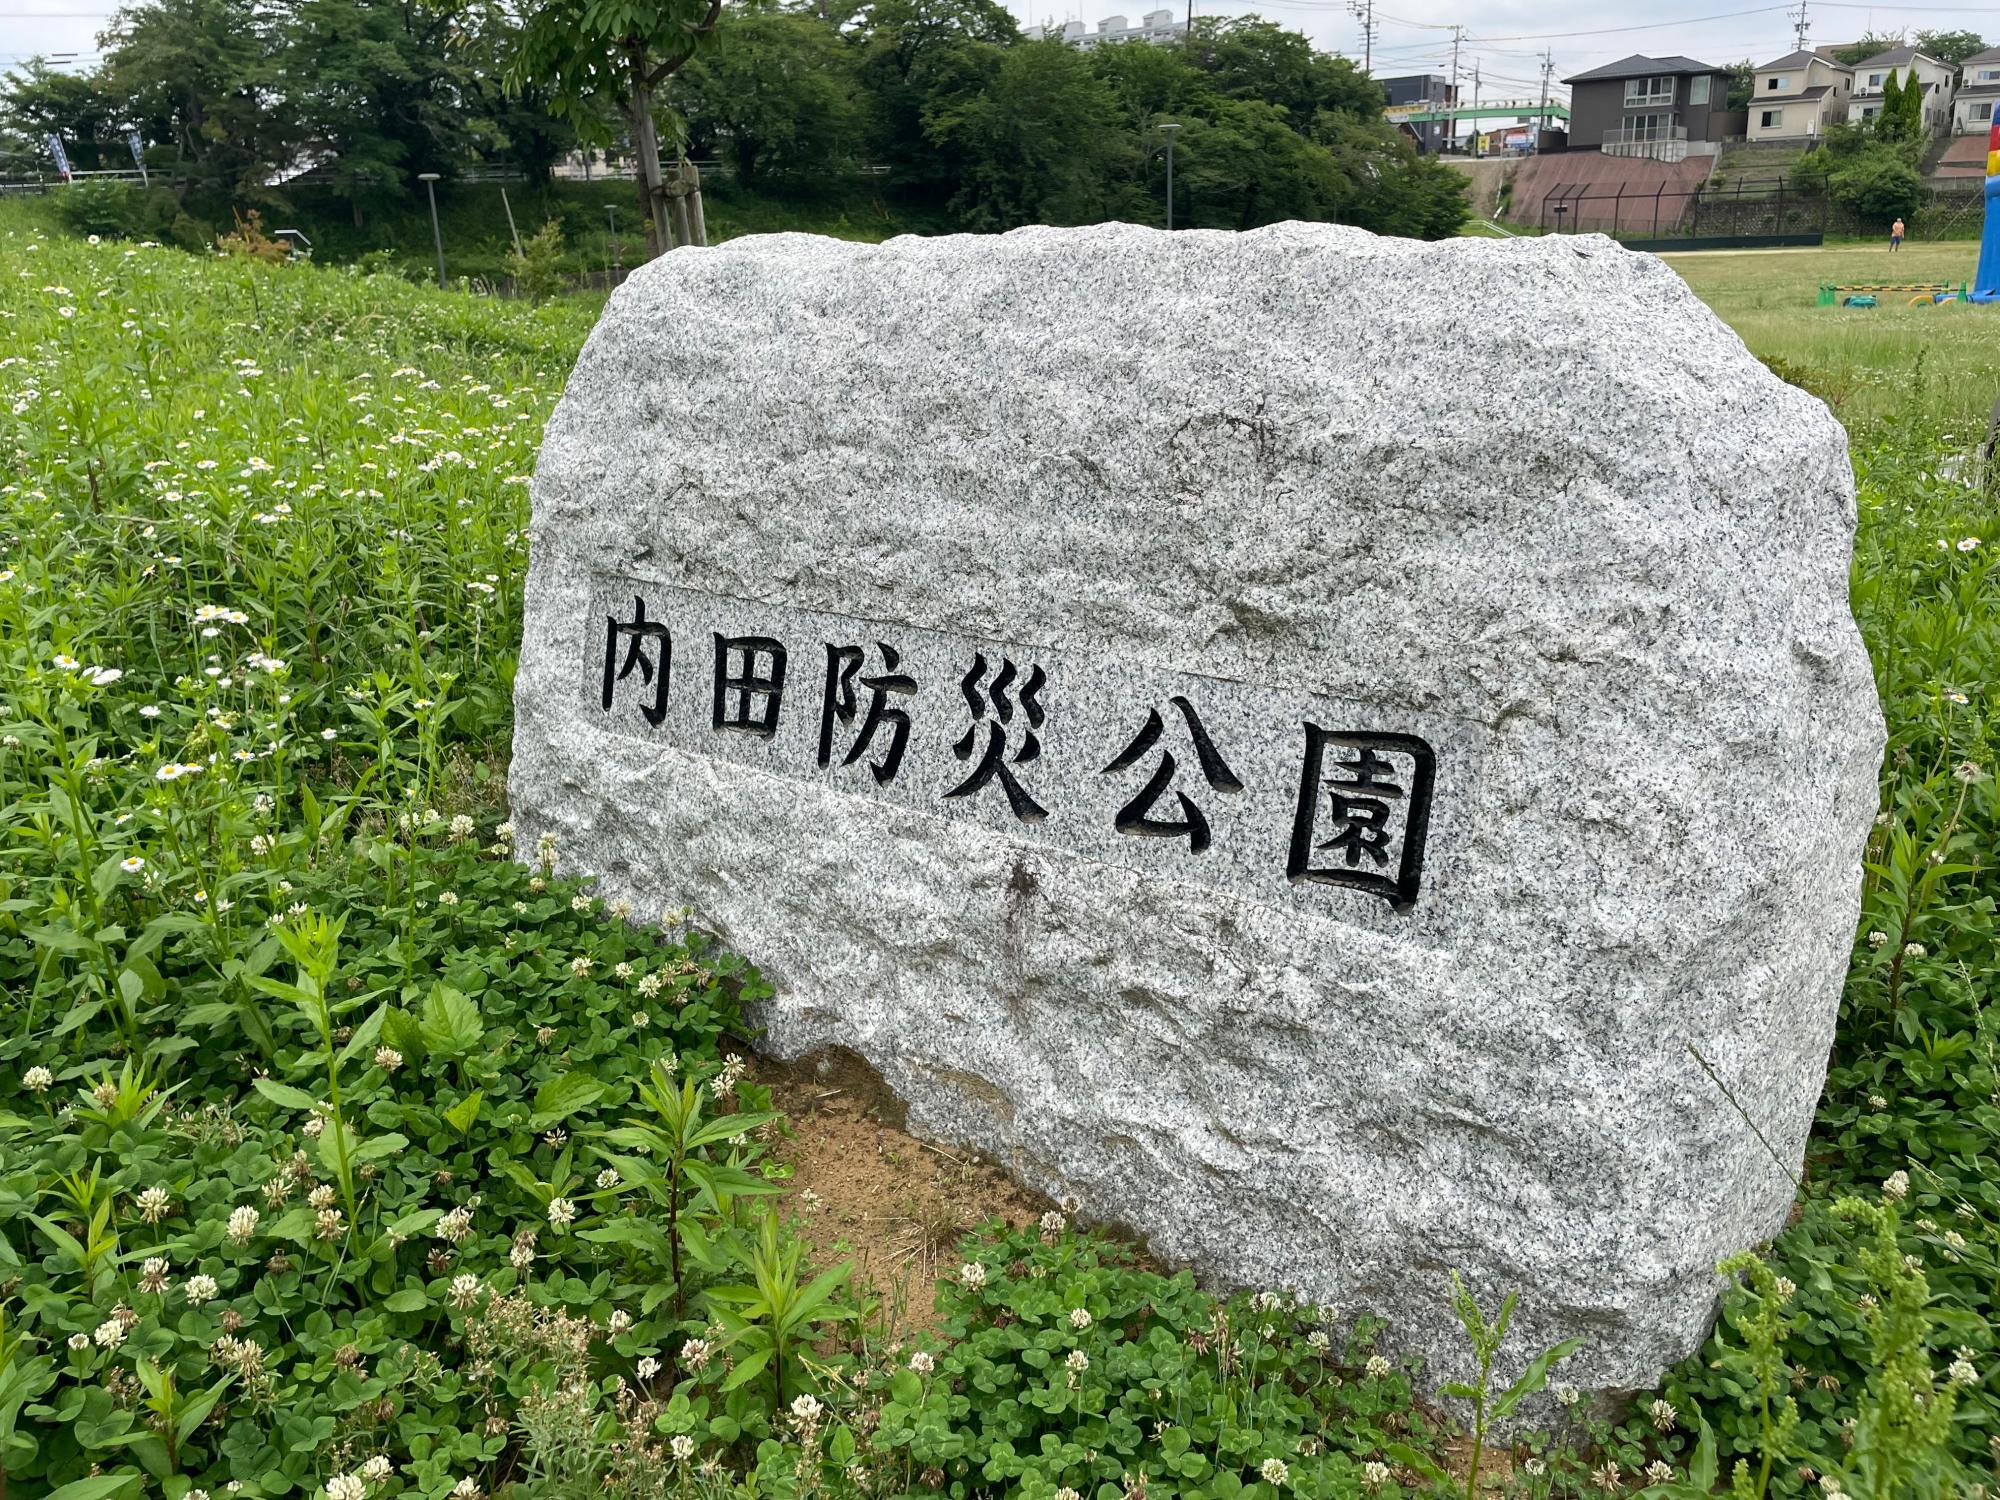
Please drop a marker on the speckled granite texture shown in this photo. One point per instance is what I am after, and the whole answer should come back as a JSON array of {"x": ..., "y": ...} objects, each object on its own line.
[{"x": 1508, "y": 550}]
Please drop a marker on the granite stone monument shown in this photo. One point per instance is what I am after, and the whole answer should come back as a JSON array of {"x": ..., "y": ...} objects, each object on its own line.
[{"x": 1313, "y": 746}]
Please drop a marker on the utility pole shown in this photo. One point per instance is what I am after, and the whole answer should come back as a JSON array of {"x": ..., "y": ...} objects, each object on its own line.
[
  {"x": 1548, "y": 67},
  {"x": 1801, "y": 26},
  {"x": 1451, "y": 129},
  {"x": 1364, "y": 11},
  {"x": 1475, "y": 111}
]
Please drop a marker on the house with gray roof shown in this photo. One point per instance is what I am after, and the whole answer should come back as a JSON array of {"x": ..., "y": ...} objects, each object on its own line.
[
  {"x": 1871, "y": 76},
  {"x": 1977, "y": 104},
  {"x": 1796, "y": 97},
  {"x": 1662, "y": 108}
]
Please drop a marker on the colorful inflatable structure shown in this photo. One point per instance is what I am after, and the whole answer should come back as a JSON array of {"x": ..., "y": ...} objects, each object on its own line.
[{"x": 1986, "y": 280}]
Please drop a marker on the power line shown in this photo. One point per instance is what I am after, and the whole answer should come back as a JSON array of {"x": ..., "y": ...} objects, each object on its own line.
[{"x": 1552, "y": 36}]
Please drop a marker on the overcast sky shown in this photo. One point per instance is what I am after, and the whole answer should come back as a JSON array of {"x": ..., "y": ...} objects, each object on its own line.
[{"x": 1504, "y": 38}]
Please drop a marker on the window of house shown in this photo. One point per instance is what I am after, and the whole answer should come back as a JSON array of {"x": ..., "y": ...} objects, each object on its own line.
[
  {"x": 1649, "y": 91},
  {"x": 1698, "y": 89},
  {"x": 1654, "y": 127},
  {"x": 1982, "y": 111},
  {"x": 1989, "y": 75},
  {"x": 1869, "y": 111},
  {"x": 1875, "y": 80},
  {"x": 1772, "y": 119},
  {"x": 1775, "y": 84}
]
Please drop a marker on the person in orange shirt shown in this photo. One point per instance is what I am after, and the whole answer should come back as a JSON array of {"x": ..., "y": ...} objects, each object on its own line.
[{"x": 1896, "y": 235}]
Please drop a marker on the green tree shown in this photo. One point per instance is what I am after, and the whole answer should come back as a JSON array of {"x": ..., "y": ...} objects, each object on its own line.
[
  {"x": 1890, "y": 123},
  {"x": 915, "y": 57},
  {"x": 1039, "y": 142},
  {"x": 1243, "y": 165},
  {"x": 775, "y": 96},
  {"x": 1869, "y": 46},
  {"x": 382, "y": 90},
  {"x": 1950, "y": 47},
  {"x": 203, "y": 76},
  {"x": 37, "y": 101},
  {"x": 596, "y": 56},
  {"x": 1742, "y": 84},
  {"x": 1246, "y": 57}
]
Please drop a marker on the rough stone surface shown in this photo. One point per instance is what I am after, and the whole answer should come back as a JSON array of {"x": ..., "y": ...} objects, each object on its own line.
[{"x": 1526, "y": 502}]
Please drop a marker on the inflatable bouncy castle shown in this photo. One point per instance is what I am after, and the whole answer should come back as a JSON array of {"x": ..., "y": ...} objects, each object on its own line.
[{"x": 1986, "y": 279}]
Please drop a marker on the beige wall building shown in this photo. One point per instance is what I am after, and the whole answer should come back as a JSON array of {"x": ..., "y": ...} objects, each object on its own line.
[
  {"x": 1939, "y": 81},
  {"x": 1797, "y": 97}
]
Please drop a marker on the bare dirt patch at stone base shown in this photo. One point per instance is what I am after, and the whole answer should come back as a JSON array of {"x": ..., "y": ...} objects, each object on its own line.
[{"x": 895, "y": 1205}]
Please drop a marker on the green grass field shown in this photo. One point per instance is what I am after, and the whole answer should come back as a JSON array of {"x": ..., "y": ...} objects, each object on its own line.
[{"x": 1865, "y": 362}]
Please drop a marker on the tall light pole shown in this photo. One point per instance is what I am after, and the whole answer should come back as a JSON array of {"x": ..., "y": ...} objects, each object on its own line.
[
  {"x": 429, "y": 180},
  {"x": 1168, "y": 130}
]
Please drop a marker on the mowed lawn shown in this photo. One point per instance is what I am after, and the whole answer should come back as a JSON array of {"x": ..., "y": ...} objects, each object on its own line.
[{"x": 1863, "y": 361}]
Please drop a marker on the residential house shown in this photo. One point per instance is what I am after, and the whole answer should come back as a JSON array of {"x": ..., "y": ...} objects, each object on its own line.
[
  {"x": 1978, "y": 103},
  {"x": 1872, "y": 74},
  {"x": 1663, "y": 108},
  {"x": 1797, "y": 97}
]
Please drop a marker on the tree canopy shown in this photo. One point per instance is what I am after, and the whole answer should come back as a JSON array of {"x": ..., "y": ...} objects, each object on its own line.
[{"x": 943, "y": 101}]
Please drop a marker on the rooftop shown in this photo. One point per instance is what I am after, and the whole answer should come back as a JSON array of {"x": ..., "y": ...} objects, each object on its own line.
[
  {"x": 1800, "y": 60},
  {"x": 1638, "y": 65}
]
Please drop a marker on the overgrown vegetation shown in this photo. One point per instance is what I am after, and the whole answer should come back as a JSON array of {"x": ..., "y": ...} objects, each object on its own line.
[{"x": 347, "y": 1149}]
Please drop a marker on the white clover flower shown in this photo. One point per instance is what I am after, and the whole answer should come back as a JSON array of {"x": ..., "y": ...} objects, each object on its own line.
[
  {"x": 650, "y": 985},
  {"x": 201, "y": 1289},
  {"x": 312, "y": 1128},
  {"x": 618, "y": 1323},
  {"x": 1274, "y": 1471},
  {"x": 1379, "y": 1366},
  {"x": 388, "y": 1059},
  {"x": 641, "y": 1020},
  {"x": 1077, "y": 1361},
  {"x": 561, "y": 1212},
  {"x": 320, "y": 1197},
  {"x": 1374, "y": 1474},
  {"x": 580, "y": 966},
  {"x": 154, "y": 1203},
  {"x": 454, "y": 1226},
  {"x": 377, "y": 1469},
  {"x": 696, "y": 1353},
  {"x": 1079, "y": 1318},
  {"x": 78, "y": 1342},
  {"x": 465, "y": 1290},
  {"x": 1053, "y": 1223},
  {"x": 1567, "y": 1395},
  {"x": 607, "y": 1179},
  {"x": 922, "y": 1363},
  {"x": 972, "y": 1275},
  {"x": 1896, "y": 1186},
  {"x": 1663, "y": 1414},
  {"x": 1962, "y": 1371},
  {"x": 1066, "y": 1493},
  {"x": 110, "y": 1333},
  {"x": 345, "y": 1487},
  {"x": 806, "y": 1410},
  {"x": 1318, "y": 1342},
  {"x": 1785, "y": 1289},
  {"x": 1659, "y": 1471},
  {"x": 579, "y": 903},
  {"x": 682, "y": 1447},
  {"x": 38, "y": 1080},
  {"x": 648, "y": 1368},
  {"x": 466, "y": 1489},
  {"x": 242, "y": 1225}
]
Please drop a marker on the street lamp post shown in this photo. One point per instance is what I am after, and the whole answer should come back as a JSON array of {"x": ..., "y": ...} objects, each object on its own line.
[
  {"x": 429, "y": 180},
  {"x": 1168, "y": 130}
]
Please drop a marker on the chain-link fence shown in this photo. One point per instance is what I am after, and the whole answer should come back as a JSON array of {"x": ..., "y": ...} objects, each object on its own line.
[{"x": 1776, "y": 209}]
